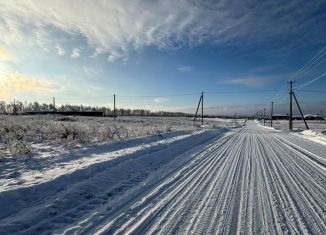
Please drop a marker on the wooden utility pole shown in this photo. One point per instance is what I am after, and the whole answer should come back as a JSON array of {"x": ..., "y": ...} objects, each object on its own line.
[
  {"x": 14, "y": 108},
  {"x": 202, "y": 108},
  {"x": 54, "y": 110},
  {"x": 114, "y": 111},
  {"x": 290, "y": 111},
  {"x": 272, "y": 113}
]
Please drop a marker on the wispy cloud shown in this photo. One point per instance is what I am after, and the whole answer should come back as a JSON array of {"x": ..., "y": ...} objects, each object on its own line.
[
  {"x": 91, "y": 71},
  {"x": 185, "y": 68},
  {"x": 42, "y": 38},
  {"x": 160, "y": 100},
  {"x": 75, "y": 53},
  {"x": 117, "y": 27},
  {"x": 60, "y": 50},
  {"x": 251, "y": 81}
]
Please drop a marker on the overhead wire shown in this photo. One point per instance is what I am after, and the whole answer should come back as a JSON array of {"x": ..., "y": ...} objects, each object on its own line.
[
  {"x": 159, "y": 96},
  {"x": 313, "y": 91},
  {"x": 305, "y": 69},
  {"x": 198, "y": 93},
  {"x": 311, "y": 81},
  {"x": 239, "y": 92},
  {"x": 311, "y": 64}
]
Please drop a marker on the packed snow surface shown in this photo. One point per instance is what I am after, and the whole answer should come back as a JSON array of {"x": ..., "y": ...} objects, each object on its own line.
[{"x": 248, "y": 179}]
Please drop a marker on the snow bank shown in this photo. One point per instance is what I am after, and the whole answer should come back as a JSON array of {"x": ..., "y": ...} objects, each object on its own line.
[{"x": 312, "y": 136}]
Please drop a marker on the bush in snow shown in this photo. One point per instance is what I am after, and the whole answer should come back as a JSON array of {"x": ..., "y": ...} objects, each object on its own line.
[{"x": 19, "y": 133}]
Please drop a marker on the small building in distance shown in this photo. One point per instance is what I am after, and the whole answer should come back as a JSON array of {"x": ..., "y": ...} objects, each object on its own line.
[
  {"x": 297, "y": 117},
  {"x": 313, "y": 117}
]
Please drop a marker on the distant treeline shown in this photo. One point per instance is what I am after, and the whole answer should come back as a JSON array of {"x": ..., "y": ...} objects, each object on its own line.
[{"x": 18, "y": 107}]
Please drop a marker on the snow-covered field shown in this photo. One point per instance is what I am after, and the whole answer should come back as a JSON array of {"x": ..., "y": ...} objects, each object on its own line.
[
  {"x": 317, "y": 132},
  {"x": 30, "y": 135},
  {"x": 298, "y": 125},
  {"x": 208, "y": 180}
]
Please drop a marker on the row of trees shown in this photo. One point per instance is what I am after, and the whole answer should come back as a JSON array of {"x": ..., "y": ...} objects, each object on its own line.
[{"x": 18, "y": 107}]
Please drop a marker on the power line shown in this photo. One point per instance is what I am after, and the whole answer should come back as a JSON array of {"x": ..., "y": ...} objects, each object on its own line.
[
  {"x": 311, "y": 64},
  {"x": 314, "y": 91},
  {"x": 306, "y": 68},
  {"x": 182, "y": 94},
  {"x": 311, "y": 81},
  {"x": 197, "y": 93},
  {"x": 159, "y": 96},
  {"x": 239, "y": 92},
  {"x": 279, "y": 94}
]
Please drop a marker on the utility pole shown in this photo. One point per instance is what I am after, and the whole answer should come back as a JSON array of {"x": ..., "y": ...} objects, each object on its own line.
[
  {"x": 264, "y": 116},
  {"x": 202, "y": 108},
  {"x": 272, "y": 113},
  {"x": 54, "y": 111},
  {"x": 14, "y": 108},
  {"x": 290, "y": 111},
  {"x": 234, "y": 118},
  {"x": 114, "y": 112}
]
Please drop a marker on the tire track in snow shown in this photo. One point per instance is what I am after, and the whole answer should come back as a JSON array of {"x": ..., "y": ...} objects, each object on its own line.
[
  {"x": 305, "y": 195},
  {"x": 178, "y": 187},
  {"x": 253, "y": 182},
  {"x": 91, "y": 189}
]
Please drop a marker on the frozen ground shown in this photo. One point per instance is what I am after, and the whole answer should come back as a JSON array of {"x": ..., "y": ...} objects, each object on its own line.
[
  {"x": 298, "y": 125},
  {"x": 317, "y": 132},
  {"x": 23, "y": 136},
  {"x": 213, "y": 181}
]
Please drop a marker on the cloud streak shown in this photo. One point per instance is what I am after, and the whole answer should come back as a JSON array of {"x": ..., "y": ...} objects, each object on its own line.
[
  {"x": 251, "y": 81},
  {"x": 60, "y": 50},
  {"x": 185, "y": 68},
  {"x": 115, "y": 28},
  {"x": 75, "y": 53},
  {"x": 160, "y": 100}
]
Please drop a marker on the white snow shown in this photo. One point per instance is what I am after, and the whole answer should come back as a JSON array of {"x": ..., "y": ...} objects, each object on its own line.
[
  {"x": 265, "y": 126},
  {"x": 298, "y": 125},
  {"x": 246, "y": 179},
  {"x": 26, "y": 135},
  {"x": 313, "y": 136},
  {"x": 34, "y": 176}
]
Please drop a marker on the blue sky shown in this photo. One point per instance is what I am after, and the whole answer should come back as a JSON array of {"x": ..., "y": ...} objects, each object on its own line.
[{"x": 85, "y": 51}]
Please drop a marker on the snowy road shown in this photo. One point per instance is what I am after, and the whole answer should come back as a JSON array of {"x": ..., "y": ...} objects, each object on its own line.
[{"x": 252, "y": 181}]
